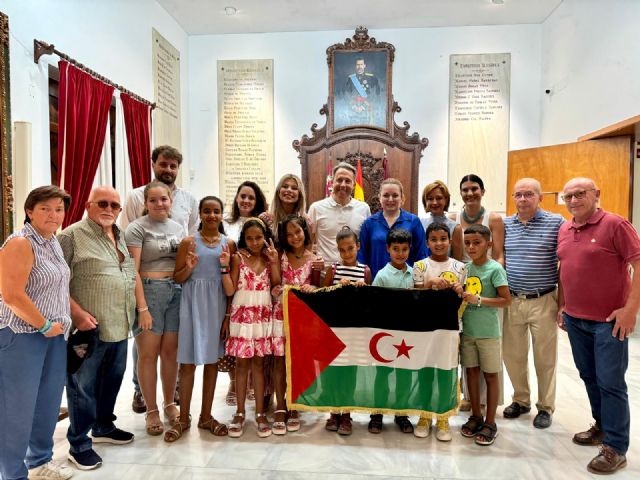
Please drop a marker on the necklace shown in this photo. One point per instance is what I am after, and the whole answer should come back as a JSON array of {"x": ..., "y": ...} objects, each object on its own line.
[
  {"x": 472, "y": 219},
  {"x": 211, "y": 241}
]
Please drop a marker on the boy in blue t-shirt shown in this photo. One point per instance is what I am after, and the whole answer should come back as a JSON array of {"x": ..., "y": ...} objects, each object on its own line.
[{"x": 486, "y": 290}]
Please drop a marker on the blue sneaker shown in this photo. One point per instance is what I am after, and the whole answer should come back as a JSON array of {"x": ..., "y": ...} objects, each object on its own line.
[{"x": 87, "y": 460}]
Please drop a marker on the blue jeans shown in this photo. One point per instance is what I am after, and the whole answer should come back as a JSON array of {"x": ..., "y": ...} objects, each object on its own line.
[
  {"x": 602, "y": 362},
  {"x": 92, "y": 392},
  {"x": 32, "y": 371}
]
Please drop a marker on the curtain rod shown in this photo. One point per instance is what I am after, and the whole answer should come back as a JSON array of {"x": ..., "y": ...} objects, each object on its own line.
[{"x": 41, "y": 48}]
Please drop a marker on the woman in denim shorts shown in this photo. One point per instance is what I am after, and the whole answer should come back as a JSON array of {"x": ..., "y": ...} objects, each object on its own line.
[{"x": 153, "y": 241}]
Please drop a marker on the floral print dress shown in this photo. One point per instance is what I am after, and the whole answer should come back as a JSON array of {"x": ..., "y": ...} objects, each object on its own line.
[
  {"x": 250, "y": 324},
  {"x": 290, "y": 276}
]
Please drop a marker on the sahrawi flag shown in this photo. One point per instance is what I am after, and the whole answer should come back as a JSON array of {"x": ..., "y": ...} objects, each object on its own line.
[{"x": 373, "y": 349}]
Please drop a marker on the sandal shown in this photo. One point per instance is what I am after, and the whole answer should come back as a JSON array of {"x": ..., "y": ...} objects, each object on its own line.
[
  {"x": 231, "y": 399},
  {"x": 375, "y": 424},
  {"x": 403, "y": 423},
  {"x": 279, "y": 427},
  {"x": 236, "y": 428},
  {"x": 153, "y": 428},
  {"x": 171, "y": 418},
  {"x": 176, "y": 431},
  {"x": 293, "y": 421},
  {"x": 346, "y": 426},
  {"x": 215, "y": 427},
  {"x": 332, "y": 422},
  {"x": 263, "y": 428},
  {"x": 487, "y": 434},
  {"x": 473, "y": 426}
]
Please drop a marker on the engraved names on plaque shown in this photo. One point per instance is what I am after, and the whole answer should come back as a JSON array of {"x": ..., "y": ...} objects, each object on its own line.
[
  {"x": 479, "y": 90},
  {"x": 166, "y": 86},
  {"x": 245, "y": 125}
]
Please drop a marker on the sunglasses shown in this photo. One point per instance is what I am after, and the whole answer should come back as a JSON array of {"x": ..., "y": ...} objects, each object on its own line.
[
  {"x": 578, "y": 195},
  {"x": 103, "y": 204}
]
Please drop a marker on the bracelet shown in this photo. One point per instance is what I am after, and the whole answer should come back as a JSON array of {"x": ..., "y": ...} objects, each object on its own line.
[
  {"x": 143, "y": 309},
  {"x": 44, "y": 329},
  {"x": 227, "y": 314},
  {"x": 479, "y": 301},
  {"x": 224, "y": 270}
]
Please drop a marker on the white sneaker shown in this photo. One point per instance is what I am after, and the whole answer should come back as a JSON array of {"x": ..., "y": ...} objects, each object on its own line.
[
  {"x": 423, "y": 428},
  {"x": 443, "y": 432},
  {"x": 50, "y": 471}
]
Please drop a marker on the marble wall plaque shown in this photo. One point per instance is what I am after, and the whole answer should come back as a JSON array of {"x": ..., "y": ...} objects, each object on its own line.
[
  {"x": 166, "y": 89},
  {"x": 479, "y": 90},
  {"x": 245, "y": 126}
]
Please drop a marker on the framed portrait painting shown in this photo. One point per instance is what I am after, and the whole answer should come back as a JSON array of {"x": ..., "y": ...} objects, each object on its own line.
[{"x": 360, "y": 85}]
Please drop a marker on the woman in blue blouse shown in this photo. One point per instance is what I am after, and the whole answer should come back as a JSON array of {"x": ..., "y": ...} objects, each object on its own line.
[{"x": 373, "y": 234}]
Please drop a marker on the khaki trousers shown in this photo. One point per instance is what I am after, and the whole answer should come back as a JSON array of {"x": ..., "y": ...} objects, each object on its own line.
[{"x": 537, "y": 317}]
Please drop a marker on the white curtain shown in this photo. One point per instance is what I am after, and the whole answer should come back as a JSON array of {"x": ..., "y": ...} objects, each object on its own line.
[
  {"x": 123, "y": 169},
  {"x": 103, "y": 175}
]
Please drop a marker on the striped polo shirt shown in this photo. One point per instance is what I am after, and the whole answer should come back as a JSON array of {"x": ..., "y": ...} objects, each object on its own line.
[
  {"x": 530, "y": 254},
  {"x": 47, "y": 285}
]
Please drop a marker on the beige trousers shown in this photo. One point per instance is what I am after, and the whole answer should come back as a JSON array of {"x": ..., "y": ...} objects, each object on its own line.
[{"x": 535, "y": 317}]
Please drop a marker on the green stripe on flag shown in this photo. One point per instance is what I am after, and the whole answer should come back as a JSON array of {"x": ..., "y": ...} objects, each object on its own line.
[{"x": 382, "y": 388}]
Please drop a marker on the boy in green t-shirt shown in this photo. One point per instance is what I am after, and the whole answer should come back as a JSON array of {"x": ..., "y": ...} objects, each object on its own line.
[{"x": 485, "y": 291}]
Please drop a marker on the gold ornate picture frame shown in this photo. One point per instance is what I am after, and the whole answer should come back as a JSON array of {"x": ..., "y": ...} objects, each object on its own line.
[{"x": 6, "y": 177}]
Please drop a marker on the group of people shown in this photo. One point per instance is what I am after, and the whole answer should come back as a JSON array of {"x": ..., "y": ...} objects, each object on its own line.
[{"x": 197, "y": 287}]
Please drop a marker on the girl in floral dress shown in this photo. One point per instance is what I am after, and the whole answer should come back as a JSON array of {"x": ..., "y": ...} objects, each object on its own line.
[
  {"x": 297, "y": 269},
  {"x": 254, "y": 269}
]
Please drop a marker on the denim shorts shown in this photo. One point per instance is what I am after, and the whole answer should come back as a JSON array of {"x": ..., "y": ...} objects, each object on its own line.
[{"x": 163, "y": 299}]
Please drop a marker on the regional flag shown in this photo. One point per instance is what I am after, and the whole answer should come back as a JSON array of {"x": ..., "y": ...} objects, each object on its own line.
[
  {"x": 373, "y": 349},
  {"x": 358, "y": 191}
]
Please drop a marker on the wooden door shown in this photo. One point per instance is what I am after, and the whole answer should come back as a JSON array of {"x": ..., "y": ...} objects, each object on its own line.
[{"x": 607, "y": 161}]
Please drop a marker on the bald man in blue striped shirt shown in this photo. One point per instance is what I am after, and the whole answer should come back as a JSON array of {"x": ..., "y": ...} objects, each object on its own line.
[{"x": 531, "y": 239}]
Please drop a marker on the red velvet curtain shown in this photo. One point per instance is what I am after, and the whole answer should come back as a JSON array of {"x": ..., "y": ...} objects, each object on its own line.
[
  {"x": 137, "y": 123},
  {"x": 83, "y": 112}
]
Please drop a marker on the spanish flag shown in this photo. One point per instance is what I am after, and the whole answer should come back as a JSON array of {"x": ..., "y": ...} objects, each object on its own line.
[
  {"x": 380, "y": 350},
  {"x": 358, "y": 192}
]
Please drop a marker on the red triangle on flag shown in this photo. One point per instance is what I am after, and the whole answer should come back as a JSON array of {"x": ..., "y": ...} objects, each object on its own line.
[{"x": 312, "y": 345}]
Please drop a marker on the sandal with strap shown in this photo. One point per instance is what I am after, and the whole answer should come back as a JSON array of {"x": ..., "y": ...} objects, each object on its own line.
[
  {"x": 375, "y": 424},
  {"x": 236, "y": 428},
  {"x": 487, "y": 434},
  {"x": 215, "y": 427},
  {"x": 263, "y": 428},
  {"x": 473, "y": 426},
  {"x": 403, "y": 423},
  {"x": 279, "y": 427},
  {"x": 171, "y": 418},
  {"x": 176, "y": 431},
  {"x": 232, "y": 398},
  {"x": 293, "y": 421},
  {"x": 153, "y": 428}
]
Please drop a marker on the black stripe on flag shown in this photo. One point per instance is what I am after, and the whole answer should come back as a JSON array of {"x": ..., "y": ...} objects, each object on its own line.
[{"x": 385, "y": 308}]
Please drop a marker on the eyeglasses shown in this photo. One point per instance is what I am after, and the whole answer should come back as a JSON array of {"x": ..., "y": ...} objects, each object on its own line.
[
  {"x": 579, "y": 195},
  {"x": 103, "y": 204},
  {"x": 527, "y": 195}
]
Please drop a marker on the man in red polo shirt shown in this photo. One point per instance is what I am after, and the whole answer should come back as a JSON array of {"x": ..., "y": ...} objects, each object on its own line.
[{"x": 599, "y": 301}]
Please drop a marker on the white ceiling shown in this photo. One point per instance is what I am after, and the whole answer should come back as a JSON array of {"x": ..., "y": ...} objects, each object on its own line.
[{"x": 202, "y": 17}]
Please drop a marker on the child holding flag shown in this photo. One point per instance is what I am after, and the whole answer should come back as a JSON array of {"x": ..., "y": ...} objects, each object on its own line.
[
  {"x": 486, "y": 290},
  {"x": 437, "y": 272},
  {"x": 396, "y": 274},
  {"x": 297, "y": 269},
  {"x": 347, "y": 272}
]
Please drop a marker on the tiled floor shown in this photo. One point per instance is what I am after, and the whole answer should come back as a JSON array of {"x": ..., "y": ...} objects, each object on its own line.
[{"x": 520, "y": 451}]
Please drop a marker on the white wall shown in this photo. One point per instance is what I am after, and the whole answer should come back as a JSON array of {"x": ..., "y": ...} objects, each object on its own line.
[
  {"x": 590, "y": 62},
  {"x": 420, "y": 85},
  {"x": 113, "y": 38}
]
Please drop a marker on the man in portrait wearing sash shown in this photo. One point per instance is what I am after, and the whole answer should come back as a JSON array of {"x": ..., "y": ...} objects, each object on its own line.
[{"x": 361, "y": 86}]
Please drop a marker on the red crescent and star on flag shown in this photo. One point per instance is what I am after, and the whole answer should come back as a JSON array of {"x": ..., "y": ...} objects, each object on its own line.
[{"x": 402, "y": 347}]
